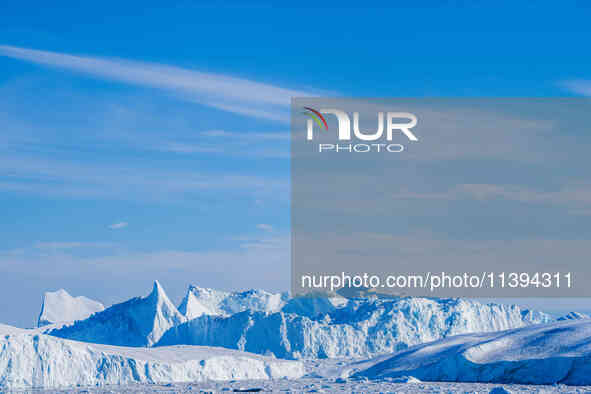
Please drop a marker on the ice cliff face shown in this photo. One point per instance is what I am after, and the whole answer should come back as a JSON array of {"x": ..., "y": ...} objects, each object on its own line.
[
  {"x": 36, "y": 360},
  {"x": 201, "y": 301},
  {"x": 265, "y": 323},
  {"x": 359, "y": 328},
  {"x": 137, "y": 322},
  {"x": 541, "y": 354},
  {"x": 60, "y": 307}
]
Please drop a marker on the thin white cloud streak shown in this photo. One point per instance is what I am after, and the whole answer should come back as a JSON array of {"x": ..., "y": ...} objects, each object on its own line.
[
  {"x": 580, "y": 212},
  {"x": 234, "y": 150},
  {"x": 224, "y": 92},
  {"x": 578, "y": 86},
  {"x": 576, "y": 195},
  {"x": 78, "y": 179},
  {"x": 180, "y": 147},
  {"x": 70, "y": 245},
  {"x": 417, "y": 249},
  {"x": 253, "y": 136},
  {"x": 119, "y": 225},
  {"x": 230, "y": 143},
  {"x": 265, "y": 227},
  {"x": 248, "y": 258},
  {"x": 280, "y": 116}
]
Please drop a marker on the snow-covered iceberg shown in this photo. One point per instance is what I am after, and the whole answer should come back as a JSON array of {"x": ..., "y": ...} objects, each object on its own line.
[
  {"x": 574, "y": 316},
  {"x": 37, "y": 360},
  {"x": 552, "y": 353},
  {"x": 202, "y": 301},
  {"x": 136, "y": 322},
  {"x": 60, "y": 307},
  {"x": 360, "y": 328}
]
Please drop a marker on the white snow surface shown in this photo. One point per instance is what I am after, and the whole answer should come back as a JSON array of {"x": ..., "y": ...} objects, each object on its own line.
[
  {"x": 552, "y": 353},
  {"x": 360, "y": 328},
  {"x": 136, "y": 322},
  {"x": 60, "y": 307},
  {"x": 202, "y": 301},
  {"x": 41, "y": 361}
]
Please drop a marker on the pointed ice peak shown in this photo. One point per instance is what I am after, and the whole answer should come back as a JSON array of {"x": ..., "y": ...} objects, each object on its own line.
[
  {"x": 140, "y": 321},
  {"x": 160, "y": 301},
  {"x": 158, "y": 295},
  {"x": 157, "y": 290}
]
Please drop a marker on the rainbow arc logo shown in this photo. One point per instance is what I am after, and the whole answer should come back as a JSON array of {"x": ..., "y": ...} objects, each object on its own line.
[{"x": 316, "y": 116}]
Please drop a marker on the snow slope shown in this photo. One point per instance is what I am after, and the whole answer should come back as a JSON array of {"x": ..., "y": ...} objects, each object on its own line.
[
  {"x": 36, "y": 360},
  {"x": 540, "y": 354},
  {"x": 136, "y": 322},
  {"x": 357, "y": 329},
  {"x": 61, "y": 307},
  {"x": 201, "y": 301}
]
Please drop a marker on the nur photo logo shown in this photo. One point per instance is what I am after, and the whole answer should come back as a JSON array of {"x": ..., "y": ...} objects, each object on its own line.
[{"x": 396, "y": 123}]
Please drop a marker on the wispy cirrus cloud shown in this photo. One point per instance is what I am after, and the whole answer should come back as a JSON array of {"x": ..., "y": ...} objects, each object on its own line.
[
  {"x": 265, "y": 227},
  {"x": 237, "y": 95},
  {"x": 577, "y": 195},
  {"x": 69, "y": 245},
  {"x": 118, "y": 225},
  {"x": 251, "y": 136},
  {"x": 78, "y": 179},
  {"x": 232, "y": 143},
  {"x": 578, "y": 86}
]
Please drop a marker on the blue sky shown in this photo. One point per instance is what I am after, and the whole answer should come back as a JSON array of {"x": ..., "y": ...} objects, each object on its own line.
[{"x": 141, "y": 142}]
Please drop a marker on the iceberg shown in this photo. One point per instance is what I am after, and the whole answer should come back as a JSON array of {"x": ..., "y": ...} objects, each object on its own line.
[
  {"x": 552, "y": 353},
  {"x": 359, "y": 328},
  {"x": 136, "y": 322},
  {"x": 574, "y": 316},
  {"x": 59, "y": 307},
  {"x": 42, "y": 361}
]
